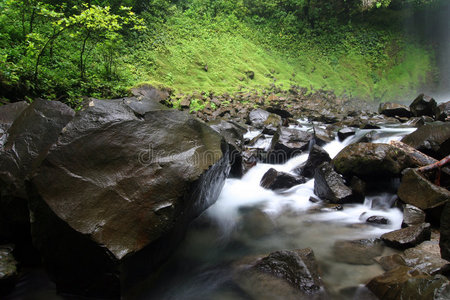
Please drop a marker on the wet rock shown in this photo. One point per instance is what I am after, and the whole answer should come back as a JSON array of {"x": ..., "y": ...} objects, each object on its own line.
[
  {"x": 426, "y": 258},
  {"x": 406, "y": 283},
  {"x": 8, "y": 269},
  {"x": 368, "y": 137},
  {"x": 444, "y": 241},
  {"x": 233, "y": 134},
  {"x": 358, "y": 187},
  {"x": 282, "y": 275},
  {"x": 379, "y": 220},
  {"x": 29, "y": 138},
  {"x": 407, "y": 237},
  {"x": 116, "y": 188},
  {"x": 345, "y": 133},
  {"x": 368, "y": 160},
  {"x": 390, "y": 262},
  {"x": 287, "y": 143},
  {"x": 330, "y": 186},
  {"x": 415, "y": 122},
  {"x": 432, "y": 139},
  {"x": 390, "y": 109},
  {"x": 323, "y": 136},
  {"x": 8, "y": 113},
  {"x": 420, "y": 192},
  {"x": 316, "y": 157},
  {"x": 260, "y": 118},
  {"x": 442, "y": 112},
  {"x": 256, "y": 223},
  {"x": 412, "y": 215},
  {"x": 274, "y": 180},
  {"x": 279, "y": 111},
  {"x": 423, "y": 106},
  {"x": 249, "y": 159},
  {"x": 271, "y": 124},
  {"x": 357, "y": 252}
]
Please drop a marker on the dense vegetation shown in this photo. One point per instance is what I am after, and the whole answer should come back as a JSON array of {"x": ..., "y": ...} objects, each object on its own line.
[{"x": 68, "y": 49}]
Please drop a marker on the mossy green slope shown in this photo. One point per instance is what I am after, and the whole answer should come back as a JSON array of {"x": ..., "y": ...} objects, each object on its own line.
[{"x": 359, "y": 61}]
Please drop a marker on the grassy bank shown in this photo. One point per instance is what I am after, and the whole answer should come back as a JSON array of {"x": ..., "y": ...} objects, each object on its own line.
[{"x": 358, "y": 60}]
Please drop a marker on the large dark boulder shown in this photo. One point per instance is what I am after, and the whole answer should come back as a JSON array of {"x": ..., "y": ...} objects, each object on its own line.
[
  {"x": 407, "y": 237},
  {"x": 406, "y": 283},
  {"x": 418, "y": 191},
  {"x": 233, "y": 134},
  {"x": 29, "y": 138},
  {"x": 281, "y": 275},
  {"x": 317, "y": 156},
  {"x": 287, "y": 143},
  {"x": 423, "y": 105},
  {"x": 369, "y": 160},
  {"x": 330, "y": 186},
  {"x": 432, "y": 139},
  {"x": 274, "y": 180},
  {"x": 8, "y": 113},
  {"x": 115, "y": 194},
  {"x": 442, "y": 112},
  {"x": 444, "y": 241},
  {"x": 390, "y": 109}
]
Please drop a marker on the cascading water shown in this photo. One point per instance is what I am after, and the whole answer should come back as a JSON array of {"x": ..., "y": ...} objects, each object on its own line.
[{"x": 248, "y": 219}]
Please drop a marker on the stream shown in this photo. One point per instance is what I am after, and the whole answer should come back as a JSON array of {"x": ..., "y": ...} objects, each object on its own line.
[{"x": 250, "y": 220}]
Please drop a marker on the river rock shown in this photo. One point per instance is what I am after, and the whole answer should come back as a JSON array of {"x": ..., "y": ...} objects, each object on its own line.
[
  {"x": 282, "y": 275},
  {"x": 345, "y": 133},
  {"x": 255, "y": 223},
  {"x": 406, "y": 283},
  {"x": 260, "y": 118},
  {"x": 369, "y": 160},
  {"x": 330, "y": 186},
  {"x": 357, "y": 252},
  {"x": 407, "y": 237},
  {"x": 115, "y": 194},
  {"x": 317, "y": 156},
  {"x": 29, "y": 138},
  {"x": 412, "y": 215},
  {"x": 420, "y": 192},
  {"x": 8, "y": 113},
  {"x": 423, "y": 106},
  {"x": 390, "y": 262},
  {"x": 279, "y": 111},
  {"x": 390, "y": 109},
  {"x": 323, "y": 136},
  {"x": 233, "y": 134},
  {"x": 287, "y": 143},
  {"x": 379, "y": 220},
  {"x": 8, "y": 269},
  {"x": 442, "y": 112},
  {"x": 444, "y": 241},
  {"x": 274, "y": 180},
  {"x": 426, "y": 258},
  {"x": 432, "y": 139}
]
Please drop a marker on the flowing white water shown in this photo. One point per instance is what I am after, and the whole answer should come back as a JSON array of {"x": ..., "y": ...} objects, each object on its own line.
[
  {"x": 248, "y": 219},
  {"x": 246, "y": 192}
]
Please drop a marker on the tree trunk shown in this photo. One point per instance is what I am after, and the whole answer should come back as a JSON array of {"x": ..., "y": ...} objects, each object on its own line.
[{"x": 83, "y": 49}]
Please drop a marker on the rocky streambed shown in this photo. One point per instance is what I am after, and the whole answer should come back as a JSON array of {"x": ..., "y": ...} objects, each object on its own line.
[{"x": 318, "y": 204}]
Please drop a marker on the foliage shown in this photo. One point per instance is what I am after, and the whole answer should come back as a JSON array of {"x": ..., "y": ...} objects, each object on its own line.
[{"x": 72, "y": 48}]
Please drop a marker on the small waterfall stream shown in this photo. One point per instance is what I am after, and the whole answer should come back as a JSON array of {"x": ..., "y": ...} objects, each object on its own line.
[{"x": 249, "y": 220}]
